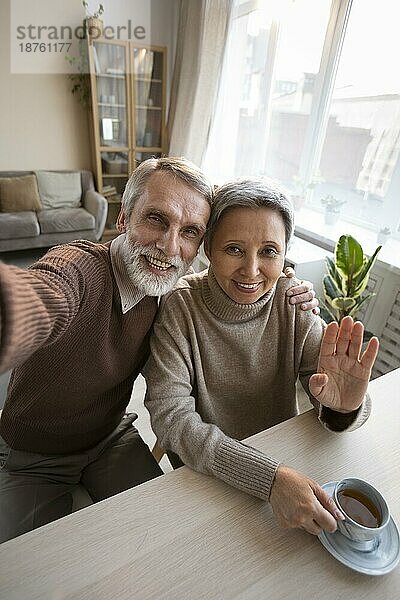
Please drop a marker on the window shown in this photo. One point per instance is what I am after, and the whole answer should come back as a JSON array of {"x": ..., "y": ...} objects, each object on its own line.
[
  {"x": 299, "y": 49},
  {"x": 310, "y": 95},
  {"x": 360, "y": 157}
]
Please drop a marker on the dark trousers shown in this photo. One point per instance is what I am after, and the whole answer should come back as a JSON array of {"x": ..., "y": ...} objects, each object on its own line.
[
  {"x": 174, "y": 459},
  {"x": 36, "y": 489}
]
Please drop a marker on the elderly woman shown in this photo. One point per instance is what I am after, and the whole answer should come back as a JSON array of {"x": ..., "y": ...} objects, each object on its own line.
[{"x": 227, "y": 350}]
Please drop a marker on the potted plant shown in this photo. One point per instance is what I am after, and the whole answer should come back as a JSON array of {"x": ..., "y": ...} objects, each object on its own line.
[
  {"x": 80, "y": 78},
  {"x": 347, "y": 279},
  {"x": 332, "y": 209},
  {"x": 301, "y": 188},
  {"x": 93, "y": 24},
  {"x": 383, "y": 235}
]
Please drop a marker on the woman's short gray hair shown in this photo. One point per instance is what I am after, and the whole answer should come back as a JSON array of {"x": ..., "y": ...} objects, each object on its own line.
[
  {"x": 177, "y": 167},
  {"x": 251, "y": 193}
]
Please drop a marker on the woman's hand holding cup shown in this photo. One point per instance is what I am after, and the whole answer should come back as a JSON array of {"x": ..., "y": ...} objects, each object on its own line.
[{"x": 299, "y": 502}]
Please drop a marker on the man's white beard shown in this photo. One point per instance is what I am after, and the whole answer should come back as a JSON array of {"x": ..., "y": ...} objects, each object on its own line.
[{"x": 147, "y": 282}]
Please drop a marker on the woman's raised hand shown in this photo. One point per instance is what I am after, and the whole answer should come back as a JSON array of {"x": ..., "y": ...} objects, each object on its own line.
[{"x": 343, "y": 372}]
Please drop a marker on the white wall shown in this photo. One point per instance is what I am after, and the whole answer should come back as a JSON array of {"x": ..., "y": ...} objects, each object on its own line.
[{"x": 42, "y": 126}]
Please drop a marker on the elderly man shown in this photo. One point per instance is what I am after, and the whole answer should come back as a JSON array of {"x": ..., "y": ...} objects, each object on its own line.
[{"x": 75, "y": 328}]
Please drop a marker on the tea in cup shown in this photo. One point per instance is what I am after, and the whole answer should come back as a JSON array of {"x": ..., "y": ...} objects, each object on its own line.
[{"x": 365, "y": 510}]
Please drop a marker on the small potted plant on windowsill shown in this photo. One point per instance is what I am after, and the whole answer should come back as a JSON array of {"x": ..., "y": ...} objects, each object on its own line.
[
  {"x": 93, "y": 24},
  {"x": 383, "y": 235},
  {"x": 332, "y": 209},
  {"x": 301, "y": 189}
]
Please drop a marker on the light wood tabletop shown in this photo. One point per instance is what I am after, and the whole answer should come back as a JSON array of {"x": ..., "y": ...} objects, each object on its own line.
[{"x": 188, "y": 536}]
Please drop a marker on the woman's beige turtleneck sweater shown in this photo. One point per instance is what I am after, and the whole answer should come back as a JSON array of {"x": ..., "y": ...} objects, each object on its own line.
[{"x": 220, "y": 371}]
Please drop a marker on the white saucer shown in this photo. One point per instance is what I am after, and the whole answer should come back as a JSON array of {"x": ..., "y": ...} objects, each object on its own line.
[{"x": 380, "y": 561}]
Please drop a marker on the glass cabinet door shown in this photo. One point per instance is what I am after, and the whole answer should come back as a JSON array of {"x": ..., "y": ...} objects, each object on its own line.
[
  {"x": 112, "y": 101},
  {"x": 128, "y": 114},
  {"x": 148, "y": 66}
]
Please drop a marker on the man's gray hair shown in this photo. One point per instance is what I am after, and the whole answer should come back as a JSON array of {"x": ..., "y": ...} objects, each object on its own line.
[
  {"x": 251, "y": 193},
  {"x": 177, "y": 167}
]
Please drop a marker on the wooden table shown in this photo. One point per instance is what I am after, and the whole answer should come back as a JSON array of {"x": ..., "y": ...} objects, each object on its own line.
[{"x": 187, "y": 536}]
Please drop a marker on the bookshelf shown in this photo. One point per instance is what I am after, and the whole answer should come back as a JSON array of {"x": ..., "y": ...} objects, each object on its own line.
[{"x": 128, "y": 97}]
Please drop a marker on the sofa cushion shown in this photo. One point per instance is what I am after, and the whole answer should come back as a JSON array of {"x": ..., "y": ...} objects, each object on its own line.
[
  {"x": 18, "y": 225},
  {"x": 59, "y": 190},
  {"x": 65, "y": 219},
  {"x": 19, "y": 194}
]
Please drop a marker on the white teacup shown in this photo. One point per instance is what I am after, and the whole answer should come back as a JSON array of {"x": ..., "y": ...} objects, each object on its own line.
[{"x": 365, "y": 510}]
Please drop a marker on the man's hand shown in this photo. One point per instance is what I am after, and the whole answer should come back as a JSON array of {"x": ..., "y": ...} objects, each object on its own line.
[
  {"x": 302, "y": 294},
  {"x": 343, "y": 376},
  {"x": 299, "y": 502}
]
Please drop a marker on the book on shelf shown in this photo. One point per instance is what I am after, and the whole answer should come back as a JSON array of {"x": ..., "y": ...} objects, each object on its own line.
[
  {"x": 111, "y": 195},
  {"x": 113, "y": 71},
  {"x": 114, "y": 199},
  {"x": 109, "y": 190}
]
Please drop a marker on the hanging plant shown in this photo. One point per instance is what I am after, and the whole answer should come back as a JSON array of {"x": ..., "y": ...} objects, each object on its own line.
[
  {"x": 93, "y": 24},
  {"x": 80, "y": 79}
]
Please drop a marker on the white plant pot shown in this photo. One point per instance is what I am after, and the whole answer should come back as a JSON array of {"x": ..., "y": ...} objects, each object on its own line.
[
  {"x": 331, "y": 218},
  {"x": 382, "y": 238},
  {"x": 298, "y": 202}
]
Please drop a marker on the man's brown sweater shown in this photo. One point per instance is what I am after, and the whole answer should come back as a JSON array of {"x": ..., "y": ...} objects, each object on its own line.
[{"x": 81, "y": 355}]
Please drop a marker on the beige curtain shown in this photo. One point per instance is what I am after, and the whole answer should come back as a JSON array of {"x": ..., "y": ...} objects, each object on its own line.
[{"x": 202, "y": 33}]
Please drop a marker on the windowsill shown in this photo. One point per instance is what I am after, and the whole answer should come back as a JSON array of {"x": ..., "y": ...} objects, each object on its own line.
[{"x": 326, "y": 236}]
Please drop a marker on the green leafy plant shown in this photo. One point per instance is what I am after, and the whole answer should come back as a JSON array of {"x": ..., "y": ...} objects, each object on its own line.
[
  {"x": 347, "y": 279},
  {"x": 80, "y": 79}
]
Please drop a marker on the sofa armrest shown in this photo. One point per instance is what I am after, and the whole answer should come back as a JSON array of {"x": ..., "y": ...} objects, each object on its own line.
[{"x": 97, "y": 205}]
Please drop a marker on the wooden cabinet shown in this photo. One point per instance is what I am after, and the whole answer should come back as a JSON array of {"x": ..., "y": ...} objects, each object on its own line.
[{"x": 128, "y": 94}]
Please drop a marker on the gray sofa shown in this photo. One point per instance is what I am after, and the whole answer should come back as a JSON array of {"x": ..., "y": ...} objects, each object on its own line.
[{"x": 47, "y": 227}]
